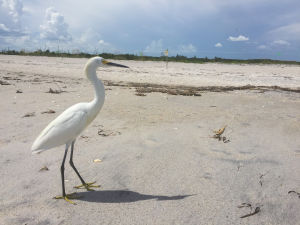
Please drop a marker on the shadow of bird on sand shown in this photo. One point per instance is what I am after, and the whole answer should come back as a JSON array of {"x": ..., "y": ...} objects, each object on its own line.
[{"x": 123, "y": 196}]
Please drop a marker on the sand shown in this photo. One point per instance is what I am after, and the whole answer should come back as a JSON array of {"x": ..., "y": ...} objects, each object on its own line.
[{"x": 159, "y": 161}]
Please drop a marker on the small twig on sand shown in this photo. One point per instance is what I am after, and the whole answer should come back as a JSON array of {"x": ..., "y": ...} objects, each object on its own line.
[
  {"x": 245, "y": 205},
  {"x": 261, "y": 178},
  {"x": 295, "y": 193},
  {"x": 44, "y": 168},
  {"x": 50, "y": 111},
  {"x": 257, "y": 210},
  {"x": 29, "y": 114}
]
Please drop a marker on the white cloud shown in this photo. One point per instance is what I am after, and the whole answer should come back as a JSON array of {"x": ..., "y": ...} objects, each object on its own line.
[
  {"x": 239, "y": 38},
  {"x": 103, "y": 43},
  {"x": 155, "y": 47},
  {"x": 187, "y": 49},
  {"x": 17, "y": 41},
  {"x": 107, "y": 47},
  {"x": 289, "y": 32},
  {"x": 262, "y": 47},
  {"x": 281, "y": 42},
  {"x": 4, "y": 28},
  {"x": 274, "y": 44},
  {"x": 91, "y": 41},
  {"x": 88, "y": 36},
  {"x": 12, "y": 33},
  {"x": 218, "y": 45},
  {"x": 28, "y": 10},
  {"x": 14, "y": 8},
  {"x": 10, "y": 14},
  {"x": 55, "y": 27}
]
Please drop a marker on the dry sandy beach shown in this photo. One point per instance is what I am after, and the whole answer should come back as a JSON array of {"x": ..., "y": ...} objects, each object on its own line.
[{"x": 159, "y": 161}]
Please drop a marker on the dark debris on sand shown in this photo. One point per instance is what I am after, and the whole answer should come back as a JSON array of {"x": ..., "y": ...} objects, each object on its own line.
[
  {"x": 51, "y": 91},
  {"x": 294, "y": 192},
  {"x": 31, "y": 114},
  {"x": 3, "y": 82},
  {"x": 50, "y": 111}
]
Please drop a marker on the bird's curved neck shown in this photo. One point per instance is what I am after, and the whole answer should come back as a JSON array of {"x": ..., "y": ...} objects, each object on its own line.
[{"x": 98, "y": 86}]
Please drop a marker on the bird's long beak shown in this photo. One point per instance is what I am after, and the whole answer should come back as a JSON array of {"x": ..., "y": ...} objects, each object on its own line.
[{"x": 113, "y": 64}]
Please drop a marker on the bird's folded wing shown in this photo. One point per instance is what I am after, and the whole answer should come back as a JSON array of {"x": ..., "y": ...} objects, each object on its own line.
[{"x": 64, "y": 129}]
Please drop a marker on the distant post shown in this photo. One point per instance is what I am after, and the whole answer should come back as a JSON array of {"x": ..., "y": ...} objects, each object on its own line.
[
  {"x": 166, "y": 53},
  {"x": 142, "y": 55}
]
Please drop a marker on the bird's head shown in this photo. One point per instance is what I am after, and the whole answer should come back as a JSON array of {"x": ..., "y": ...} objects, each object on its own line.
[{"x": 99, "y": 61}]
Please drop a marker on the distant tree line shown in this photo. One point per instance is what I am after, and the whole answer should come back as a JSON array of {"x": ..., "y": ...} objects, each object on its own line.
[{"x": 177, "y": 58}]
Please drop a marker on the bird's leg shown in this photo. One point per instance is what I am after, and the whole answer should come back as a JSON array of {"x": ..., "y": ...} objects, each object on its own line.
[
  {"x": 88, "y": 186},
  {"x": 65, "y": 196}
]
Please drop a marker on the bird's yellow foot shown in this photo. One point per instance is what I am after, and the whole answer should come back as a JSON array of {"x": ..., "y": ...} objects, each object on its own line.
[
  {"x": 87, "y": 186},
  {"x": 68, "y": 197}
]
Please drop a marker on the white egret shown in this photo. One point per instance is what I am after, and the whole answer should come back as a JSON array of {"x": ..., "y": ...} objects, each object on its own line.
[{"x": 68, "y": 125}]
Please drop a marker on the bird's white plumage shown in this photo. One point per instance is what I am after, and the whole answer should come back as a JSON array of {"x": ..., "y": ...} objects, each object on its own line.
[
  {"x": 63, "y": 129},
  {"x": 68, "y": 125}
]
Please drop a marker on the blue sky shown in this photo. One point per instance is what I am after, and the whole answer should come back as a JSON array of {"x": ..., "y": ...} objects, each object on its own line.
[{"x": 222, "y": 28}]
